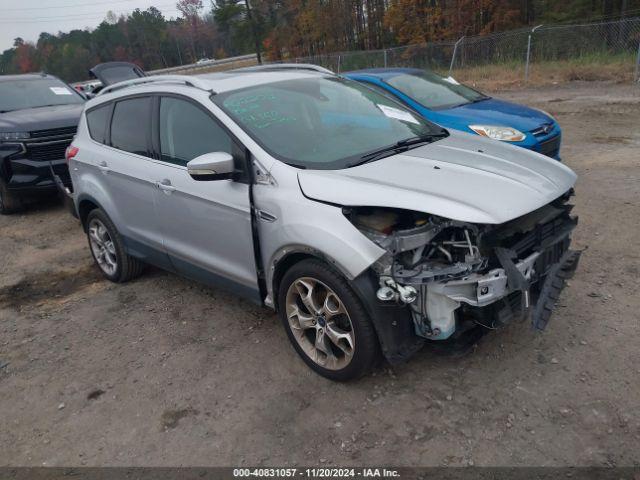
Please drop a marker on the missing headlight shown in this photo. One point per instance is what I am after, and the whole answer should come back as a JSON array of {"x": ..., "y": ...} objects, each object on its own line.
[
  {"x": 421, "y": 251},
  {"x": 420, "y": 247}
]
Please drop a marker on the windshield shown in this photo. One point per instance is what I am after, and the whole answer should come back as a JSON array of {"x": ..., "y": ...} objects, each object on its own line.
[
  {"x": 35, "y": 92},
  {"x": 321, "y": 123},
  {"x": 433, "y": 91}
]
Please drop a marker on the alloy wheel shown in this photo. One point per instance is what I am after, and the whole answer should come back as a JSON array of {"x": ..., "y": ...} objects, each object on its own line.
[
  {"x": 102, "y": 246},
  {"x": 320, "y": 323}
]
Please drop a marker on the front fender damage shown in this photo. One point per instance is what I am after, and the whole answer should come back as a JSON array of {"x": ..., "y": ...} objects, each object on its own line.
[{"x": 453, "y": 276}]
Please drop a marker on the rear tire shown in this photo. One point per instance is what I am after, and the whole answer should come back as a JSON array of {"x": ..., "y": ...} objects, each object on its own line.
[
  {"x": 326, "y": 322},
  {"x": 9, "y": 201},
  {"x": 107, "y": 249}
]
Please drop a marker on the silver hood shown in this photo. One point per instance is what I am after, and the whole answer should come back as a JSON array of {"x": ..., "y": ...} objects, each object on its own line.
[{"x": 462, "y": 177}]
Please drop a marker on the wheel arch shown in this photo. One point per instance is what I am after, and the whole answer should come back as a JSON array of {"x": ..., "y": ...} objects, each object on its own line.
[
  {"x": 286, "y": 258},
  {"x": 393, "y": 324},
  {"x": 86, "y": 205}
]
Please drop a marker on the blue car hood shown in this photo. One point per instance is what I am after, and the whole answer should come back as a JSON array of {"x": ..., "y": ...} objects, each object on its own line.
[{"x": 497, "y": 112}]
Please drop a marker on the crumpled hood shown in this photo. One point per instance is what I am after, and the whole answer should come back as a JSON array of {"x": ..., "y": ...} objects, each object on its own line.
[
  {"x": 41, "y": 118},
  {"x": 462, "y": 177}
]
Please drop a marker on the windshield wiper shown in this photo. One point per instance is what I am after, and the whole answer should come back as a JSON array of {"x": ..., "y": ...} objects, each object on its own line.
[
  {"x": 468, "y": 102},
  {"x": 398, "y": 147},
  {"x": 50, "y": 105}
]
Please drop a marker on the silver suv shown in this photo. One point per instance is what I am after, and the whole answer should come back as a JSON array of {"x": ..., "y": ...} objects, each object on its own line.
[{"x": 368, "y": 229}]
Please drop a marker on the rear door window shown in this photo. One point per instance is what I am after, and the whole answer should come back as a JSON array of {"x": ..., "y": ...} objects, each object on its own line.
[
  {"x": 97, "y": 120},
  {"x": 131, "y": 125}
]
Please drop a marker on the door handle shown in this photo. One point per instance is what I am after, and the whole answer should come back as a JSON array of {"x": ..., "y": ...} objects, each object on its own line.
[
  {"x": 165, "y": 186},
  {"x": 102, "y": 166}
]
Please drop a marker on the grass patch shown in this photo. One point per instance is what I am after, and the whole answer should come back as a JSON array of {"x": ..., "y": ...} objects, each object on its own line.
[{"x": 597, "y": 67}]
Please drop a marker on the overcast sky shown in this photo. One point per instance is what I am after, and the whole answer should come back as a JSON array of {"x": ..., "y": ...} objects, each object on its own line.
[{"x": 27, "y": 18}]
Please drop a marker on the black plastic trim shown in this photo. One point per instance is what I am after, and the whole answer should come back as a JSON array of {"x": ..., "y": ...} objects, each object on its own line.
[{"x": 392, "y": 322}]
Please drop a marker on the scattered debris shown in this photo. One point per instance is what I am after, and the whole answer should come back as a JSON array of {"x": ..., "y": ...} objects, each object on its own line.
[
  {"x": 95, "y": 394},
  {"x": 171, "y": 418}
]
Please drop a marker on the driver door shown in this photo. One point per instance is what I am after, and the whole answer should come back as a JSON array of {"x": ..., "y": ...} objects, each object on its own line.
[{"x": 206, "y": 225}]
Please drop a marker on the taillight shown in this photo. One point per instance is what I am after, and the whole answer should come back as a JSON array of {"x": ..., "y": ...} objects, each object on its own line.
[{"x": 71, "y": 152}]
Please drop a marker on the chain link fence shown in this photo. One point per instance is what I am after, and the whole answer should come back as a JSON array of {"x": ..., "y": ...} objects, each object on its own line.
[
  {"x": 619, "y": 39},
  {"x": 520, "y": 50},
  {"x": 435, "y": 55}
]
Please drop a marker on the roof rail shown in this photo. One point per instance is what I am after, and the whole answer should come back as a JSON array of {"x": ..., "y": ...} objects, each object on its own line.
[
  {"x": 180, "y": 79},
  {"x": 273, "y": 67}
]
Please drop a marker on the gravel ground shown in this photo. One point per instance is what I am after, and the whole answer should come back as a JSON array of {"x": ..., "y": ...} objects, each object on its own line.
[{"x": 163, "y": 371}]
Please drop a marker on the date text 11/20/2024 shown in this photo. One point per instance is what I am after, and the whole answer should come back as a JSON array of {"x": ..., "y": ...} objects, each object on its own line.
[{"x": 316, "y": 472}]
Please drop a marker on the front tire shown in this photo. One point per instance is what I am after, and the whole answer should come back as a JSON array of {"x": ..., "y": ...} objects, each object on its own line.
[
  {"x": 107, "y": 249},
  {"x": 326, "y": 321}
]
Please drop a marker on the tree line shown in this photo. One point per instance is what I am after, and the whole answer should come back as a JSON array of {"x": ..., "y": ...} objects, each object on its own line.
[{"x": 284, "y": 29}]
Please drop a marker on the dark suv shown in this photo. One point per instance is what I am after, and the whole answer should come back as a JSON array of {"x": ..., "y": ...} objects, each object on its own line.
[{"x": 38, "y": 118}]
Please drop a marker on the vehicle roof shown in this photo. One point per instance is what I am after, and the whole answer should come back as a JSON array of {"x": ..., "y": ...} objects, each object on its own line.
[
  {"x": 218, "y": 82},
  {"x": 25, "y": 76},
  {"x": 215, "y": 83},
  {"x": 385, "y": 72},
  {"x": 236, "y": 80}
]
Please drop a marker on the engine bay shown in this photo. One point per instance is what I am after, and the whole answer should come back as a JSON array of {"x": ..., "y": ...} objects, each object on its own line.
[{"x": 435, "y": 266}]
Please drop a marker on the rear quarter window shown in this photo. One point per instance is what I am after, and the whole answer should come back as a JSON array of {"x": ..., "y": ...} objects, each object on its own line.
[{"x": 97, "y": 121}]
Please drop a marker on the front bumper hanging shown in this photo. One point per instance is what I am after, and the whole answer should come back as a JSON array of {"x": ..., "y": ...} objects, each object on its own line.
[
  {"x": 551, "y": 287},
  {"x": 520, "y": 287}
]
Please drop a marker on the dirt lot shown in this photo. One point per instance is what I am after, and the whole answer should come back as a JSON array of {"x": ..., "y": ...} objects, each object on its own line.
[{"x": 163, "y": 371}]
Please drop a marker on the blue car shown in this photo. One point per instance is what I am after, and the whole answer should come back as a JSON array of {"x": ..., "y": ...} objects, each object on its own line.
[{"x": 452, "y": 105}]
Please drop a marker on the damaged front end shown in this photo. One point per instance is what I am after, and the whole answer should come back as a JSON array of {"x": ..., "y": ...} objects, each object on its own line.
[{"x": 454, "y": 276}]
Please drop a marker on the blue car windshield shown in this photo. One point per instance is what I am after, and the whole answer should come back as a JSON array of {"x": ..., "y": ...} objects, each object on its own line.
[
  {"x": 434, "y": 91},
  {"x": 321, "y": 122}
]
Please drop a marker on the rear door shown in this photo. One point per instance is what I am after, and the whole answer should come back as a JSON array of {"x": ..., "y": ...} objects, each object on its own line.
[
  {"x": 206, "y": 225},
  {"x": 128, "y": 174}
]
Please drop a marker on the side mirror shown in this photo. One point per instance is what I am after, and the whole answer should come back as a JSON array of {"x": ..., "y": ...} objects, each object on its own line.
[{"x": 212, "y": 166}]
